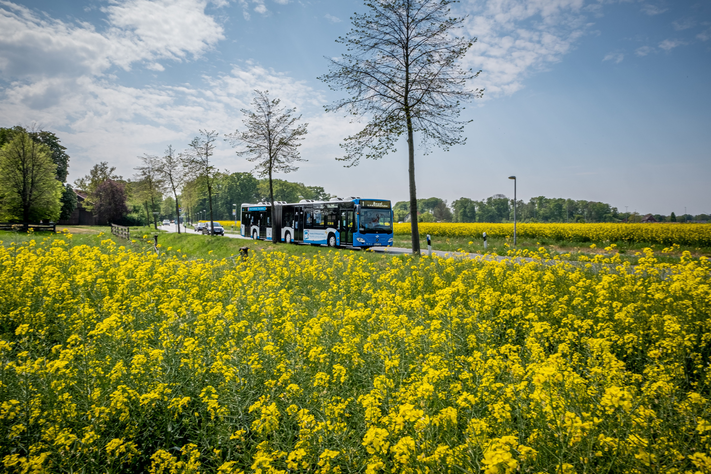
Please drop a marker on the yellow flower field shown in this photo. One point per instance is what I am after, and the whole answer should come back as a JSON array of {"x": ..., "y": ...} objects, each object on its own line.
[
  {"x": 115, "y": 360},
  {"x": 665, "y": 234}
]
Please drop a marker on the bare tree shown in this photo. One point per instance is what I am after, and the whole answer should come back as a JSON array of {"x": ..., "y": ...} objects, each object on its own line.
[
  {"x": 171, "y": 169},
  {"x": 401, "y": 71},
  {"x": 271, "y": 140},
  {"x": 198, "y": 161},
  {"x": 150, "y": 185}
]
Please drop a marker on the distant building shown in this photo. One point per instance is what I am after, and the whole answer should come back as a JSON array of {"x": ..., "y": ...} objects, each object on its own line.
[
  {"x": 648, "y": 219},
  {"x": 80, "y": 216}
]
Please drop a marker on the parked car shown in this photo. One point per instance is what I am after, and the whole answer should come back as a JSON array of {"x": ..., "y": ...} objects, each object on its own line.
[
  {"x": 218, "y": 229},
  {"x": 199, "y": 226},
  {"x": 166, "y": 222}
]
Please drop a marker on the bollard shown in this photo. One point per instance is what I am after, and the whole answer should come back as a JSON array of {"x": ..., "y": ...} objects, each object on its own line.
[
  {"x": 155, "y": 244},
  {"x": 484, "y": 234},
  {"x": 243, "y": 252},
  {"x": 429, "y": 244}
]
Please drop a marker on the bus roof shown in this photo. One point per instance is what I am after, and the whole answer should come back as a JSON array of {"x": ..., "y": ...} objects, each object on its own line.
[{"x": 352, "y": 199}]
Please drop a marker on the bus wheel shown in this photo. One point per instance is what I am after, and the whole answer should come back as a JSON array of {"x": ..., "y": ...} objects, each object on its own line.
[
  {"x": 331, "y": 240},
  {"x": 287, "y": 237},
  {"x": 254, "y": 235}
]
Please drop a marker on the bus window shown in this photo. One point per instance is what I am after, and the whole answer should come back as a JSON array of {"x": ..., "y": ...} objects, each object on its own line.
[
  {"x": 331, "y": 217},
  {"x": 318, "y": 218}
]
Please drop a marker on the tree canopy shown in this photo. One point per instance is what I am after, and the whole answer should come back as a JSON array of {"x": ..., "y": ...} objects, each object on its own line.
[
  {"x": 29, "y": 189},
  {"x": 271, "y": 139},
  {"x": 401, "y": 72}
]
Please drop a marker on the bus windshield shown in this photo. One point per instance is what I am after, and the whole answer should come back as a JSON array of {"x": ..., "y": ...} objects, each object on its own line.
[{"x": 376, "y": 220}]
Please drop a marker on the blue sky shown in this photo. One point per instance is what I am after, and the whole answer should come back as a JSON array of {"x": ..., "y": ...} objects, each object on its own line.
[{"x": 598, "y": 100}]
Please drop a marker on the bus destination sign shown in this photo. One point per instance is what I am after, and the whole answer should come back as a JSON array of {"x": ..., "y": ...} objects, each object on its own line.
[{"x": 376, "y": 204}]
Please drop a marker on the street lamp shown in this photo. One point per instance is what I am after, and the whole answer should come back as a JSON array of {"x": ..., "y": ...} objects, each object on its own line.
[{"x": 514, "y": 180}]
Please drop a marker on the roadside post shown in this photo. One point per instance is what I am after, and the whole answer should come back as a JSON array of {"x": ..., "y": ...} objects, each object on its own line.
[
  {"x": 484, "y": 234},
  {"x": 429, "y": 244},
  {"x": 155, "y": 244}
]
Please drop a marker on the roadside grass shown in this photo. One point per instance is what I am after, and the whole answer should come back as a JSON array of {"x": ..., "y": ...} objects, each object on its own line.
[
  {"x": 188, "y": 244},
  {"x": 628, "y": 252}
]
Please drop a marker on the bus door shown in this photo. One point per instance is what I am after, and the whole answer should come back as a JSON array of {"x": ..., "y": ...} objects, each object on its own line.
[
  {"x": 299, "y": 224},
  {"x": 347, "y": 225},
  {"x": 263, "y": 219}
]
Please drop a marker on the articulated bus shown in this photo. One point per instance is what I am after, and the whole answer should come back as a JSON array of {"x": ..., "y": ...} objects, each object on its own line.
[{"x": 352, "y": 222}]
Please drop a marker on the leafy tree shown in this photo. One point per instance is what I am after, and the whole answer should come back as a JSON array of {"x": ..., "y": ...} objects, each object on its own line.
[
  {"x": 198, "y": 162},
  {"x": 150, "y": 185},
  {"x": 167, "y": 208},
  {"x": 59, "y": 155},
  {"x": 28, "y": 186},
  {"x": 237, "y": 188},
  {"x": 191, "y": 195},
  {"x": 401, "y": 211},
  {"x": 171, "y": 170},
  {"x": 271, "y": 140},
  {"x": 68, "y": 200},
  {"x": 672, "y": 218},
  {"x": 288, "y": 191},
  {"x": 425, "y": 217},
  {"x": 464, "y": 210},
  {"x": 318, "y": 193},
  {"x": 401, "y": 71},
  {"x": 98, "y": 173},
  {"x": 110, "y": 202},
  {"x": 442, "y": 213}
]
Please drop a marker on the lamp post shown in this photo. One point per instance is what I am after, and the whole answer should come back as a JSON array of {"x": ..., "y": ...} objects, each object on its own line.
[
  {"x": 514, "y": 180},
  {"x": 235, "y": 212}
]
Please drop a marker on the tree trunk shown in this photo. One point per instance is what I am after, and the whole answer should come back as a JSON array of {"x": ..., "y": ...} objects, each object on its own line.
[
  {"x": 177, "y": 210},
  {"x": 271, "y": 199},
  {"x": 209, "y": 198},
  {"x": 153, "y": 207},
  {"x": 413, "y": 189}
]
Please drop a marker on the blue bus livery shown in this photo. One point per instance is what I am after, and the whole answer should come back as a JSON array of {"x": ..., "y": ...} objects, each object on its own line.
[{"x": 352, "y": 222}]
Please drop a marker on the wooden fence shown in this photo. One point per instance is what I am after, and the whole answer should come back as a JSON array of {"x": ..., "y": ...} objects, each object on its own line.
[
  {"x": 34, "y": 227},
  {"x": 120, "y": 231}
]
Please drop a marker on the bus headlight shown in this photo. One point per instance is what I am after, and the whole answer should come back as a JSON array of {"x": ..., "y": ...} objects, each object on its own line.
[
  {"x": 390, "y": 240},
  {"x": 360, "y": 240}
]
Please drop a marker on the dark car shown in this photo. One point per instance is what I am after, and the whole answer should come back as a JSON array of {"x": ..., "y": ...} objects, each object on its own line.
[
  {"x": 199, "y": 226},
  {"x": 218, "y": 229}
]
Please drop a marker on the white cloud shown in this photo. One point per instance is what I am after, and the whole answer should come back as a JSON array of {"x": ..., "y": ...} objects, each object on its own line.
[
  {"x": 261, "y": 8},
  {"x": 138, "y": 30},
  {"x": 331, "y": 18},
  {"x": 705, "y": 35},
  {"x": 652, "y": 10},
  {"x": 518, "y": 37},
  {"x": 669, "y": 44},
  {"x": 166, "y": 28},
  {"x": 644, "y": 50},
  {"x": 616, "y": 57},
  {"x": 683, "y": 24},
  {"x": 258, "y": 6}
]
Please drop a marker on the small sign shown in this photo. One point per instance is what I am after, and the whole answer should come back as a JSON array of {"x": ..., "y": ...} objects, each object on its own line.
[{"x": 376, "y": 204}]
